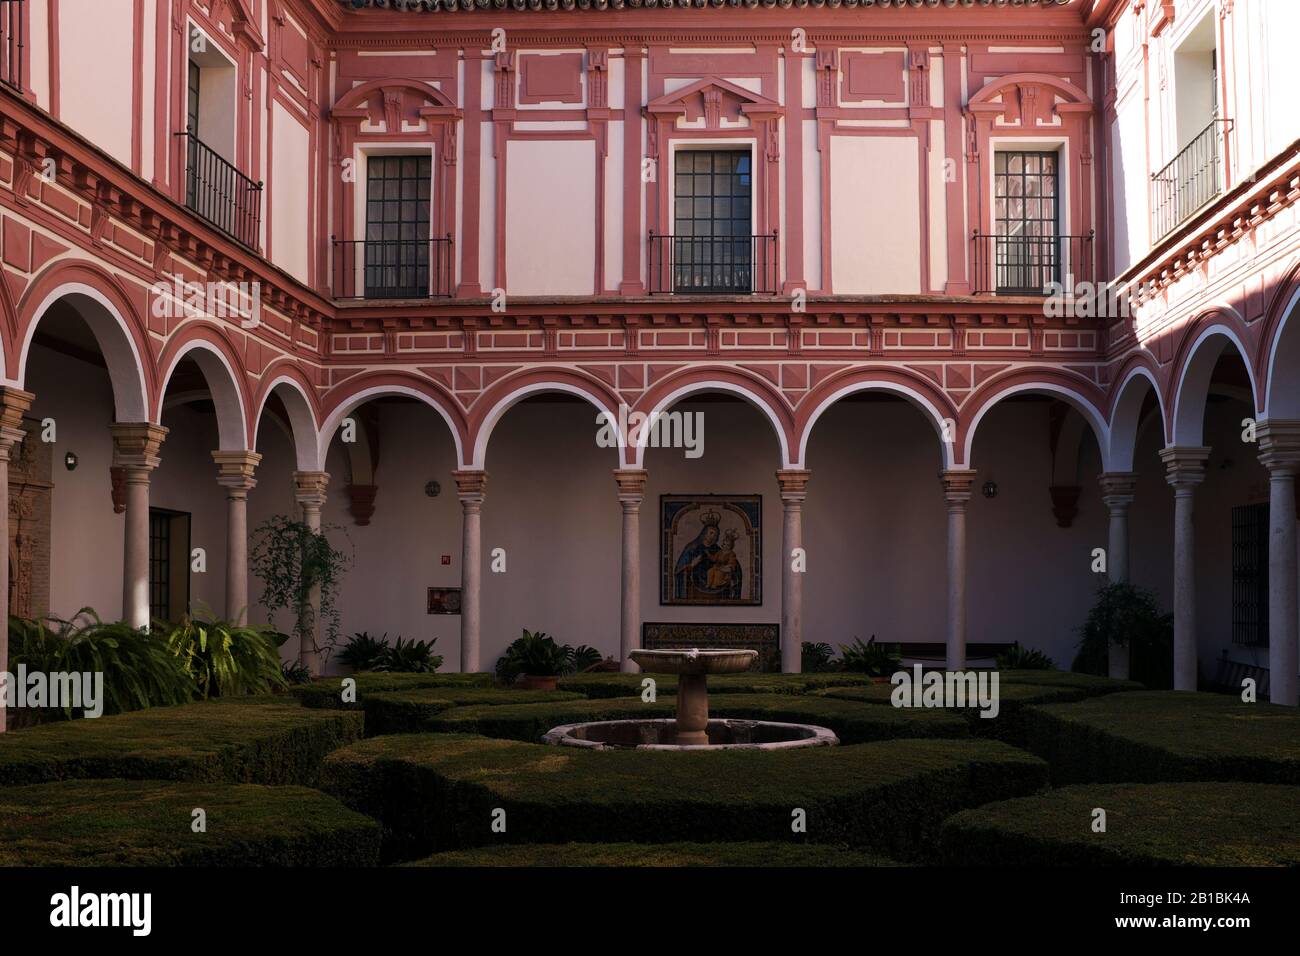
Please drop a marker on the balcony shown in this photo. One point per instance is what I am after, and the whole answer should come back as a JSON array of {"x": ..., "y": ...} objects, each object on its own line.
[
  {"x": 1031, "y": 265},
  {"x": 1191, "y": 179},
  {"x": 393, "y": 268},
  {"x": 220, "y": 194},
  {"x": 708, "y": 265},
  {"x": 11, "y": 43}
]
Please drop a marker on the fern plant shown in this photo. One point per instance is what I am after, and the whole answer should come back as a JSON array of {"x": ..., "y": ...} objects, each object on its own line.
[
  {"x": 877, "y": 660},
  {"x": 138, "y": 669},
  {"x": 1017, "y": 658},
  {"x": 225, "y": 659},
  {"x": 409, "y": 657},
  {"x": 363, "y": 652}
]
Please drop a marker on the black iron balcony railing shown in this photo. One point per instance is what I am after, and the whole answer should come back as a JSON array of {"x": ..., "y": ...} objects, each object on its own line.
[
  {"x": 704, "y": 265},
  {"x": 221, "y": 194},
  {"x": 11, "y": 42},
  {"x": 1032, "y": 265},
  {"x": 1190, "y": 180},
  {"x": 392, "y": 268}
]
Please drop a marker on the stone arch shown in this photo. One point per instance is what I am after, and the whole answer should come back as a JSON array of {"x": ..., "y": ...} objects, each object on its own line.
[
  {"x": 299, "y": 399},
  {"x": 1201, "y": 353},
  {"x": 1279, "y": 359},
  {"x": 492, "y": 405},
  {"x": 757, "y": 391},
  {"x": 922, "y": 393},
  {"x": 115, "y": 323},
  {"x": 1082, "y": 395},
  {"x": 1136, "y": 380},
  {"x": 346, "y": 397},
  {"x": 222, "y": 370}
]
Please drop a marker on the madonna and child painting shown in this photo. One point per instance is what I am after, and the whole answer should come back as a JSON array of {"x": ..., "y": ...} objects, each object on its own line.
[{"x": 711, "y": 549}]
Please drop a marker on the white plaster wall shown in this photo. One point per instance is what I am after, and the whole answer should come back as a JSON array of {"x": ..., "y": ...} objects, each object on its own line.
[
  {"x": 550, "y": 217},
  {"x": 875, "y": 229},
  {"x": 97, "y": 34}
]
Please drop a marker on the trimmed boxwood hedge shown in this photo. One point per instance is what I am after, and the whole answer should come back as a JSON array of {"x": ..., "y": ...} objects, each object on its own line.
[
  {"x": 1157, "y": 736},
  {"x": 656, "y": 855},
  {"x": 404, "y": 712},
  {"x": 1094, "y": 685},
  {"x": 439, "y": 791},
  {"x": 1190, "y": 824},
  {"x": 267, "y": 740},
  {"x": 852, "y": 722},
  {"x": 149, "y": 823},
  {"x": 328, "y": 693},
  {"x": 629, "y": 685}
]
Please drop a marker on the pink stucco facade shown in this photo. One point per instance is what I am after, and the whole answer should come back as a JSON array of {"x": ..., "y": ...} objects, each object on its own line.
[{"x": 871, "y": 371}]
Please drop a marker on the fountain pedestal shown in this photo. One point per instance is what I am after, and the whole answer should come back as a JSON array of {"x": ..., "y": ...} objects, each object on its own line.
[{"x": 692, "y": 668}]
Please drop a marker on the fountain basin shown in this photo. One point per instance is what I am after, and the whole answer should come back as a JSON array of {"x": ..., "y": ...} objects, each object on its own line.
[{"x": 663, "y": 734}]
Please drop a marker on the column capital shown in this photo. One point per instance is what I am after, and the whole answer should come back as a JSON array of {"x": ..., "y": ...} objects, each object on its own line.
[
  {"x": 631, "y": 484},
  {"x": 14, "y": 403},
  {"x": 1117, "y": 487},
  {"x": 471, "y": 484},
  {"x": 1184, "y": 465},
  {"x": 309, "y": 487},
  {"x": 1279, "y": 446},
  {"x": 957, "y": 484},
  {"x": 235, "y": 469},
  {"x": 793, "y": 482},
  {"x": 136, "y": 445}
]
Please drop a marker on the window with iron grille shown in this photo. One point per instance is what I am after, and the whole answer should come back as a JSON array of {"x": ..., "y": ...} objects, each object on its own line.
[
  {"x": 1250, "y": 575},
  {"x": 397, "y": 226},
  {"x": 169, "y": 567},
  {"x": 1026, "y": 221},
  {"x": 12, "y": 14},
  {"x": 192, "y": 104},
  {"x": 713, "y": 245}
]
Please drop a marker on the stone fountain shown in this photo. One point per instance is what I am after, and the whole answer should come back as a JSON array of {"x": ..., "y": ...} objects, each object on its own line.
[{"x": 692, "y": 729}]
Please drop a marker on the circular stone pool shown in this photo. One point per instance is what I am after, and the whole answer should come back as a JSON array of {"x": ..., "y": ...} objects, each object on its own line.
[{"x": 662, "y": 735}]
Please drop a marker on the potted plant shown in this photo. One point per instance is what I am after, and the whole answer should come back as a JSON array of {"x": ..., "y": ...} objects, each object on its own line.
[{"x": 535, "y": 661}]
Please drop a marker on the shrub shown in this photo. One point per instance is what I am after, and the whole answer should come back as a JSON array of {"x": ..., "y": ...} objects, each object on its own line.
[
  {"x": 295, "y": 672},
  {"x": 536, "y": 654},
  {"x": 412, "y": 657},
  {"x": 224, "y": 659},
  {"x": 146, "y": 823},
  {"x": 362, "y": 652},
  {"x": 1187, "y": 824},
  {"x": 1025, "y": 659},
  {"x": 404, "y": 712},
  {"x": 656, "y": 855},
  {"x": 328, "y": 693},
  {"x": 439, "y": 790},
  {"x": 1159, "y": 736},
  {"x": 138, "y": 670},
  {"x": 876, "y": 660},
  {"x": 293, "y": 560},
  {"x": 817, "y": 658},
  {"x": 1092, "y": 684},
  {"x": 237, "y": 740},
  {"x": 1128, "y": 615}
]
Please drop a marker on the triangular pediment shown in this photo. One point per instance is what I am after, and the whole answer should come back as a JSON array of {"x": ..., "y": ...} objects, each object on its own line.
[{"x": 714, "y": 100}]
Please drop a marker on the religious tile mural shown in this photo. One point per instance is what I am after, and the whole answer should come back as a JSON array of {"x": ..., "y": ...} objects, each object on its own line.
[{"x": 711, "y": 550}]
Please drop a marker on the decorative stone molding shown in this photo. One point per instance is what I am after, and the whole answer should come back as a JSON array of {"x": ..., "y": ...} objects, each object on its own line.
[
  {"x": 361, "y": 502},
  {"x": 1117, "y": 488},
  {"x": 1184, "y": 465},
  {"x": 136, "y": 446},
  {"x": 1065, "y": 504},
  {"x": 235, "y": 471},
  {"x": 471, "y": 485},
  {"x": 1279, "y": 446},
  {"x": 631, "y": 484},
  {"x": 957, "y": 485},
  {"x": 794, "y": 483}
]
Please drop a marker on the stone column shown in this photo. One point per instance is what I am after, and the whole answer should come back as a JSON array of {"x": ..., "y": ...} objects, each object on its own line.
[
  {"x": 631, "y": 490},
  {"x": 1185, "y": 469},
  {"x": 135, "y": 452},
  {"x": 13, "y": 403},
  {"x": 794, "y": 488},
  {"x": 1279, "y": 452},
  {"x": 1117, "y": 488},
  {"x": 470, "y": 488},
  {"x": 309, "y": 492},
  {"x": 235, "y": 474},
  {"x": 957, "y": 483}
]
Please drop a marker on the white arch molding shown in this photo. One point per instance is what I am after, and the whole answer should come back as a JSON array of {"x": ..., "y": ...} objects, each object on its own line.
[
  {"x": 1090, "y": 412},
  {"x": 1193, "y": 387},
  {"x": 353, "y": 402},
  {"x": 923, "y": 404},
  {"x": 498, "y": 411},
  {"x": 1284, "y": 403},
  {"x": 730, "y": 388},
  {"x": 116, "y": 344},
  {"x": 1125, "y": 420},
  {"x": 302, "y": 422},
  {"x": 232, "y": 419}
]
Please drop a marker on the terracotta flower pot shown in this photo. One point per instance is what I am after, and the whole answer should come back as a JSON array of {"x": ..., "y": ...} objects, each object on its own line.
[{"x": 528, "y": 682}]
